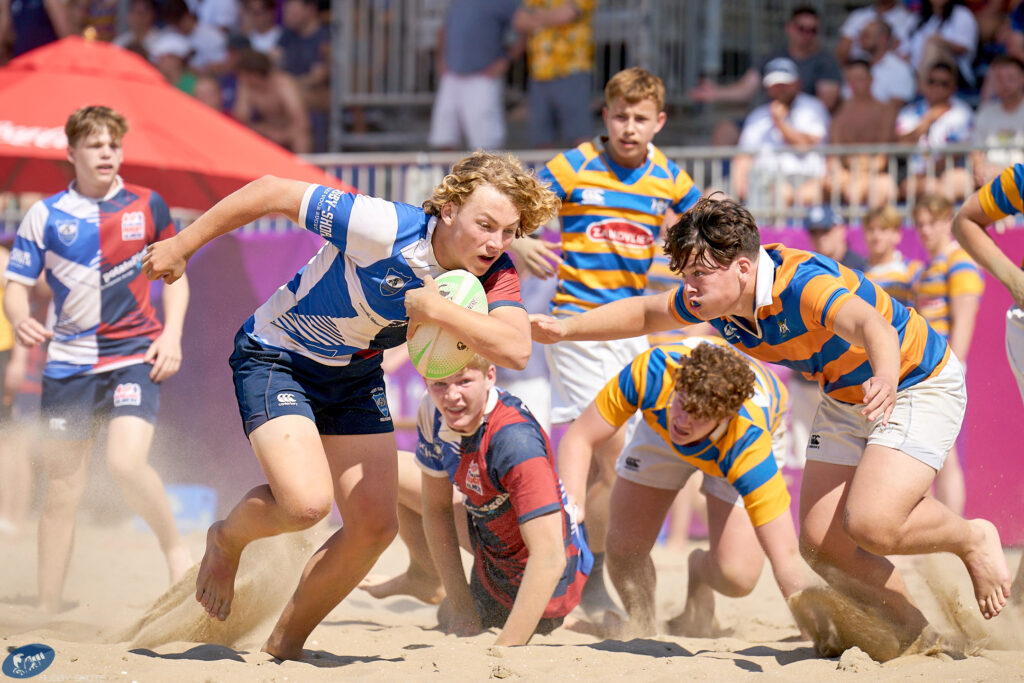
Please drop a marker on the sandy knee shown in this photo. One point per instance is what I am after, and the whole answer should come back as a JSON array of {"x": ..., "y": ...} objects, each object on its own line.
[{"x": 872, "y": 532}]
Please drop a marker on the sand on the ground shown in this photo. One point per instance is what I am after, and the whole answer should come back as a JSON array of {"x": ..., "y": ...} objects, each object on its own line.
[{"x": 121, "y": 622}]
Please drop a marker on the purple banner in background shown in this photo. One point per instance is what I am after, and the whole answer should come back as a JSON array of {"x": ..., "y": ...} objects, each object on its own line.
[{"x": 200, "y": 438}]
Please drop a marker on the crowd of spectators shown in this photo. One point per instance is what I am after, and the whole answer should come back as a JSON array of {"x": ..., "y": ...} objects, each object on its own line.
[
  {"x": 944, "y": 73},
  {"x": 931, "y": 73}
]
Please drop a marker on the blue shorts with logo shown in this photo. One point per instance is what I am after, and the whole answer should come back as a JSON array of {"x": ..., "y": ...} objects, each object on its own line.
[
  {"x": 73, "y": 408},
  {"x": 271, "y": 382}
]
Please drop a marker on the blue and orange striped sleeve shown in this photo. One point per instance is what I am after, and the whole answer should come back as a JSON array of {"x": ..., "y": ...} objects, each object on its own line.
[{"x": 1004, "y": 196}]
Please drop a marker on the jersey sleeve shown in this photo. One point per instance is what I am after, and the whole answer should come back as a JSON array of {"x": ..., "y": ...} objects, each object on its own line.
[
  {"x": 364, "y": 228},
  {"x": 518, "y": 461},
  {"x": 964, "y": 276},
  {"x": 28, "y": 252},
  {"x": 687, "y": 192},
  {"x": 559, "y": 175},
  {"x": 749, "y": 465},
  {"x": 501, "y": 284},
  {"x": 619, "y": 399},
  {"x": 162, "y": 221},
  {"x": 428, "y": 451},
  {"x": 1004, "y": 196}
]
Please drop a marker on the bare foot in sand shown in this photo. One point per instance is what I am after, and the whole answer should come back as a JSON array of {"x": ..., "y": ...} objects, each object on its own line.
[
  {"x": 215, "y": 584},
  {"x": 697, "y": 619},
  {"x": 422, "y": 587},
  {"x": 986, "y": 564},
  {"x": 179, "y": 561},
  {"x": 279, "y": 649}
]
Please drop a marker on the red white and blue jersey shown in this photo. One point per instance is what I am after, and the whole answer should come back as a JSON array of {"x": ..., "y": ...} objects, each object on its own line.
[
  {"x": 91, "y": 251},
  {"x": 506, "y": 471},
  {"x": 348, "y": 303},
  {"x": 798, "y": 295}
]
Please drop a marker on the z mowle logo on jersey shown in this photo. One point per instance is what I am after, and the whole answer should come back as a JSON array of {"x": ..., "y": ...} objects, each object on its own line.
[{"x": 620, "y": 232}]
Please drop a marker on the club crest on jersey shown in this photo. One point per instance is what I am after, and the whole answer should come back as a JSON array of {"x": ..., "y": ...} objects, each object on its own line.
[
  {"x": 620, "y": 232},
  {"x": 133, "y": 225},
  {"x": 473, "y": 478},
  {"x": 729, "y": 330},
  {"x": 381, "y": 399},
  {"x": 67, "y": 231},
  {"x": 128, "y": 394},
  {"x": 393, "y": 282}
]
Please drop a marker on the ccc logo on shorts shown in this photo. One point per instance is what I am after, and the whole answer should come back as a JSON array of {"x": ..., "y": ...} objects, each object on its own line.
[{"x": 286, "y": 399}]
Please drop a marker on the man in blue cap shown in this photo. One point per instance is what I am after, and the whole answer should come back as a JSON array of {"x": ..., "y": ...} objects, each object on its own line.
[{"x": 827, "y": 231}]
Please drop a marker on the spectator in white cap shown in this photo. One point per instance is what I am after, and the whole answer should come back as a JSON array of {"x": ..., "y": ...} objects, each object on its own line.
[
  {"x": 170, "y": 53},
  {"x": 777, "y": 164}
]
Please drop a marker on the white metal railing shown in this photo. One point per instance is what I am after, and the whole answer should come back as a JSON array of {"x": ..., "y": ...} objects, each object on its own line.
[{"x": 410, "y": 177}]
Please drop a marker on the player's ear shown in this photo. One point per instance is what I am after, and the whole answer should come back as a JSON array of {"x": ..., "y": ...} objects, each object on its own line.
[
  {"x": 492, "y": 375},
  {"x": 744, "y": 266},
  {"x": 448, "y": 212}
]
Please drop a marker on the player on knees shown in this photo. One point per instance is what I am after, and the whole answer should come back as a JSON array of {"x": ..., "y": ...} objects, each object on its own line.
[
  {"x": 615, "y": 192},
  {"x": 999, "y": 198},
  {"x": 706, "y": 408},
  {"x": 530, "y": 559},
  {"x": 307, "y": 363},
  {"x": 871, "y": 460},
  {"x": 108, "y": 352}
]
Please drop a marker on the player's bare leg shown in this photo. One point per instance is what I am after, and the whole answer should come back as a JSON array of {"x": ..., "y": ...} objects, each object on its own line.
[
  {"x": 689, "y": 501},
  {"x": 731, "y": 567},
  {"x": 365, "y": 476},
  {"x": 420, "y": 579},
  {"x": 297, "y": 496},
  {"x": 913, "y": 523},
  {"x": 949, "y": 483},
  {"x": 67, "y": 470},
  {"x": 128, "y": 442},
  {"x": 637, "y": 513},
  {"x": 595, "y": 601}
]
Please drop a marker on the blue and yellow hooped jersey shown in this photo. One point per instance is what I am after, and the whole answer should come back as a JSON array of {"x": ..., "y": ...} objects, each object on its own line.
[
  {"x": 611, "y": 219},
  {"x": 896, "y": 277},
  {"x": 803, "y": 293},
  {"x": 951, "y": 273},
  {"x": 740, "y": 450},
  {"x": 1004, "y": 196}
]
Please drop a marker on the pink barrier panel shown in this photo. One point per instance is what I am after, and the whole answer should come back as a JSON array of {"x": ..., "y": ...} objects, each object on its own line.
[{"x": 200, "y": 436}]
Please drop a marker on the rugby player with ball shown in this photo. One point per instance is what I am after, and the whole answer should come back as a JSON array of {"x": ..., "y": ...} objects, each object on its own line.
[{"x": 307, "y": 363}]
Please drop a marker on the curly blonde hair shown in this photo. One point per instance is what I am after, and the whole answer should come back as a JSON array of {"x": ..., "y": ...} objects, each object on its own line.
[
  {"x": 505, "y": 173},
  {"x": 713, "y": 382}
]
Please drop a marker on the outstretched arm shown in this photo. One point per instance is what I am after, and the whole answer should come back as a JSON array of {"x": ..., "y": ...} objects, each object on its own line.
[
  {"x": 778, "y": 540},
  {"x": 969, "y": 229},
  {"x": 576, "y": 451},
  {"x": 443, "y": 542},
  {"x": 544, "y": 567},
  {"x": 620, "y": 319},
  {"x": 166, "y": 259}
]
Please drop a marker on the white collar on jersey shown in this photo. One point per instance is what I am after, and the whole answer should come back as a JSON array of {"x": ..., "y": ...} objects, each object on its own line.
[
  {"x": 763, "y": 286},
  {"x": 114, "y": 189},
  {"x": 448, "y": 434},
  {"x": 422, "y": 253}
]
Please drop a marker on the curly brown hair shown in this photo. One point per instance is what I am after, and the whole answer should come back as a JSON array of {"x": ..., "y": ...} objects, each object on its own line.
[
  {"x": 505, "y": 173},
  {"x": 89, "y": 120},
  {"x": 717, "y": 230},
  {"x": 713, "y": 382}
]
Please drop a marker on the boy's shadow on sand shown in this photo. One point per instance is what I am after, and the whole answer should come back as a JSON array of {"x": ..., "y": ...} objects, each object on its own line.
[
  {"x": 214, "y": 653},
  {"x": 642, "y": 646}
]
